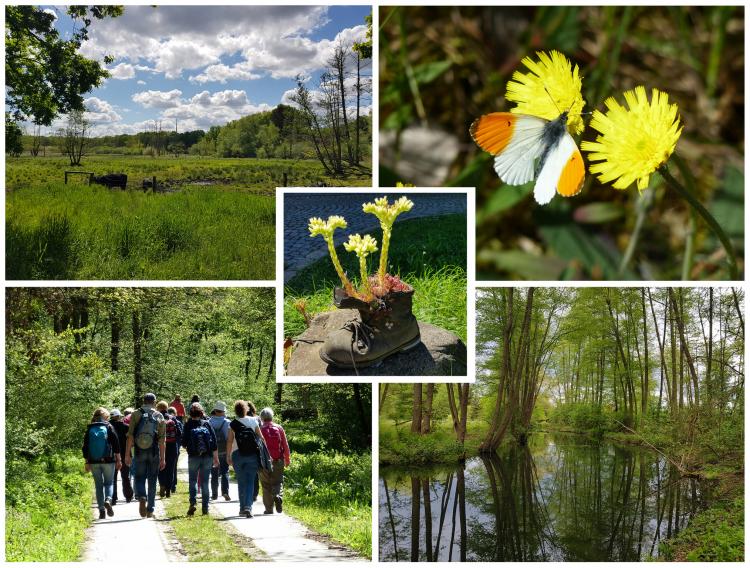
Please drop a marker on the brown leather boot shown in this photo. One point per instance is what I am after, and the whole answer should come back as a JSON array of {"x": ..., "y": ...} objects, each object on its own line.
[{"x": 384, "y": 327}]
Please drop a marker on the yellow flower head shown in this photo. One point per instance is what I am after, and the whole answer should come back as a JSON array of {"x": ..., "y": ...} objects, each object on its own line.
[
  {"x": 402, "y": 184},
  {"x": 386, "y": 212},
  {"x": 634, "y": 141},
  {"x": 326, "y": 228},
  {"x": 361, "y": 245},
  {"x": 552, "y": 87}
]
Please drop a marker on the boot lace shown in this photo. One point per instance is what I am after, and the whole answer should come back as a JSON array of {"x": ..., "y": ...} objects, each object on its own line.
[{"x": 362, "y": 337}]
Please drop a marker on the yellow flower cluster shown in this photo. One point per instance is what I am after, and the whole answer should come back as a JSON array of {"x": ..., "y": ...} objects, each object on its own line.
[
  {"x": 386, "y": 212},
  {"x": 361, "y": 246},
  {"x": 317, "y": 226}
]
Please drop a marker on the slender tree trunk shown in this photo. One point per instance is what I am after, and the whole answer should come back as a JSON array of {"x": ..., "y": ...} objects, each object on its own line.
[
  {"x": 416, "y": 409},
  {"x": 137, "y": 356},
  {"x": 114, "y": 342},
  {"x": 427, "y": 408}
]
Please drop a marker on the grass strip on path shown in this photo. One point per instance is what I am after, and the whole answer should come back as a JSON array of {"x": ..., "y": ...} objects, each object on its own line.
[
  {"x": 350, "y": 525},
  {"x": 206, "y": 538}
]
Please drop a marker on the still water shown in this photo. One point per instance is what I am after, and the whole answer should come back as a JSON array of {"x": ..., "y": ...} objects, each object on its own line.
[{"x": 562, "y": 498}]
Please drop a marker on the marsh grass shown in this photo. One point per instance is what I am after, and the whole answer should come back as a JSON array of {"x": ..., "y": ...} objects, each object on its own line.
[
  {"x": 429, "y": 253},
  {"x": 79, "y": 232}
]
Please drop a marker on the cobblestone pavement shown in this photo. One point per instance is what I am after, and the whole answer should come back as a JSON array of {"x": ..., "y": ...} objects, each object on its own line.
[{"x": 300, "y": 250}]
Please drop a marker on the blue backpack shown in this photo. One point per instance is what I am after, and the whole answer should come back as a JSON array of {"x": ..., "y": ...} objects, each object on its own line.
[
  {"x": 199, "y": 440},
  {"x": 99, "y": 448}
]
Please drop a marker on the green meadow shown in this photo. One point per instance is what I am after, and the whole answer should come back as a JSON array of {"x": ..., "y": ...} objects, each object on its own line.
[{"x": 215, "y": 218}]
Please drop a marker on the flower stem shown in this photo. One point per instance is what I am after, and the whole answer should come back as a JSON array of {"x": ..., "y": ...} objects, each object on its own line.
[
  {"x": 644, "y": 203},
  {"x": 364, "y": 277},
  {"x": 687, "y": 261},
  {"x": 337, "y": 265},
  {"x": 707, "y": 217},
  {"x": 383, "y": 266}
]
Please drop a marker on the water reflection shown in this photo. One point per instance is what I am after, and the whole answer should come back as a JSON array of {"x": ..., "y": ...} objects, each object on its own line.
[{"x": 562, "y": 499}]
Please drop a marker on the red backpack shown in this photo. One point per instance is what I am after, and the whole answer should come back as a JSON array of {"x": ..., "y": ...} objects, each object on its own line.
[
  {"x": 272, "y": 436},
  {"x": 171, "y": 430}
]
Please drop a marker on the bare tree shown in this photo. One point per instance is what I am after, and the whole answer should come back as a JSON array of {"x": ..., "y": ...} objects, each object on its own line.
[
  {"x": 36, "y": 140},
  {"x": 74, "y": 137}
]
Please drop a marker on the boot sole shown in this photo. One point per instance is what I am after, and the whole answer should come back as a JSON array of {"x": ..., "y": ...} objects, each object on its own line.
[{"x": 411, "y": 345}]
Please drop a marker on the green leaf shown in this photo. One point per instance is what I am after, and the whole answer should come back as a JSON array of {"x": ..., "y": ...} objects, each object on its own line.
[
  {"x": 598, "y": 212},
  {"x": 525, "y": 265},
  {"x": 428, "y": 72},
  {"x": 504, "y": 198}
]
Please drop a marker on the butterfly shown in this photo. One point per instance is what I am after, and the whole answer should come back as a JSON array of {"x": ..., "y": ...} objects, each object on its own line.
[{"x": 528, "y": 147}]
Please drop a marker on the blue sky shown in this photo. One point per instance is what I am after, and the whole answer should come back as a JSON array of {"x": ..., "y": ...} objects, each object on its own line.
[{"x": 206, "y": 65}]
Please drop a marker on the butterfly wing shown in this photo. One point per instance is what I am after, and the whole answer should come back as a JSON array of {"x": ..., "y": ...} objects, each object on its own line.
[
  {"x": 514, "y": 139},
  {"x": 562, "y": 171}
]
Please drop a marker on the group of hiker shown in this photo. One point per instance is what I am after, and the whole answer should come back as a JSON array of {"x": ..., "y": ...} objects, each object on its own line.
[{"x": 145, "y": 443}]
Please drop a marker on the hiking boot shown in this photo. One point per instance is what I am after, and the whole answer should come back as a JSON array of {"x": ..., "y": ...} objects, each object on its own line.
[
  {"x": 384, "y": 327},
  {"x": 226, "y": 497},
  {"x": 108, "y": 507},
  {"x": 168, "y": 494},
  {"x": 214, "y": 497},
  {"x": 268, "y": 512},
  {"x": 102, "y": 514},
  {"x": 150, "y": 515},
  {"x": 277, "y": 502},
  {"x": 191, "y": 510},
  {"x": 248, "y": 512},
  {"x": 162, "y": 492},
  {"x": 142, "y": 506},
  {"x": 204, "y": 511}
]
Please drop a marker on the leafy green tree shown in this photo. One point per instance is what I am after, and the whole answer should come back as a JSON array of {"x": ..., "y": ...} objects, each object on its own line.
[
  {"x": 13, "y": 137},
  {"x": 44, "y": 74}
]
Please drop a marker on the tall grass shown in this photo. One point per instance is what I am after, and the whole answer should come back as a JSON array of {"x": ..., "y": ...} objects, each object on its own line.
[
  {"x": 58, "y": 231},
  {"x": 47, "y": 509},
  {"x": 331, "y": 493}
]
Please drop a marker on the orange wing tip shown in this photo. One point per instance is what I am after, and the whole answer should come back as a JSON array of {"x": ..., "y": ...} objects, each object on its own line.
[
  {"x": 493, "y": 132},
  {"x": 571, "y": 178}
]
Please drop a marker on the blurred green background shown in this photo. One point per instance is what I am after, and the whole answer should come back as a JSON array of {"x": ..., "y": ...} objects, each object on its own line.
[{"x": 442, "y": 67}]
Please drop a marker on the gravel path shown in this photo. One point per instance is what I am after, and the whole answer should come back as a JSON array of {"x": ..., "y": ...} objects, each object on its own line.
[{"x": 301, "y": 250}]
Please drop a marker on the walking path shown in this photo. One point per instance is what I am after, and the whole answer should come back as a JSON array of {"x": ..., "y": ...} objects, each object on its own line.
[
  {"x": 301, "y": 250},
  {"x": 110, "y": 540},
  {"x": 279, "y": 536}
]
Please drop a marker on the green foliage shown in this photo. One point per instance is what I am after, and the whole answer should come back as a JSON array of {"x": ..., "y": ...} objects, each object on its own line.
[
  {"x": 13, "y": 137},
  {"x": 714, "y": 535},
  {"x": 47, "y": 504},
  {"x": 400, "y": 446},
  {"x": 331, "y": 493},
  {"x": 45, "y": 74},
  {"x": 584, "y": 418}
]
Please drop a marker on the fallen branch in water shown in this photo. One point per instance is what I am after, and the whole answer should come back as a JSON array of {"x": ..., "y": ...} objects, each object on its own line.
[{"x": 679, "y": 467}]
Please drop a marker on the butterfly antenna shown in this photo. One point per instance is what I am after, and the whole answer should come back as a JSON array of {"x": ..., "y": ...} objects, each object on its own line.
[{"x": 554, "y": 102}]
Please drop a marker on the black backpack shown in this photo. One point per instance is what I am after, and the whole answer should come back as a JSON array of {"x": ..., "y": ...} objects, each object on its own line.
[
  {"x": 199, "y": 440},
  {"x": 245, "y": 437}
]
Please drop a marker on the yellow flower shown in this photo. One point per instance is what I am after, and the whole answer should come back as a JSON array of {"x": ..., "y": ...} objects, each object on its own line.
[
  {"x": 386, "y": 214},
  {"x": 317, "y": 226},
  {"x": 360, "y": 245},
  {"x": 552, "y": 87},
  {"x": 634, "y": 141}
]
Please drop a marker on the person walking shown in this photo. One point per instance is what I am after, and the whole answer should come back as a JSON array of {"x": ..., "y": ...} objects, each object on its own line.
[
  {"x": 243, "y": 454},
  {"x": 170, "y": 453},
  {"x": 101, "y": 450},
  {"x": 253, "y": 413},
  {"x": 121, "y": 429},
  {"x": 178, "y": 442},
  {"x": 147, "y": 434},
  {"x": 220, "y": 423},
  {"x": 179, "y": 408},
  {"x": 273, "y": 481},
  {"x": 200, "y": 442}
]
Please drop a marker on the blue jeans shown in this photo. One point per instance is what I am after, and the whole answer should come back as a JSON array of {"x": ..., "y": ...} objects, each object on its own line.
[
  {"x": 246, "y": 471},
  {"x": 221, "y": 472},
  {"x": 146, "y": 469},
  {"x": 202, "y": 465},
  {"x": 166, "y": 480},
  {"x": 104, "y": 477}
]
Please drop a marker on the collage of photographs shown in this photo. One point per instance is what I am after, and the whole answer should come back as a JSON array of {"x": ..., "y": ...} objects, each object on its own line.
[{"x": 374, "y": 283}]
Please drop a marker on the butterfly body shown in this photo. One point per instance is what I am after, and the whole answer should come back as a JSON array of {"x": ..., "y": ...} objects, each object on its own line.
[{"x": 529, "y": 147}]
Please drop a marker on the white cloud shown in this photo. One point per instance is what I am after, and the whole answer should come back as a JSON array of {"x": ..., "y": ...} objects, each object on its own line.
[
  {"x": 222, "y": 73},
  {"x": 122, "y": 71},
  {"x": 271, "y": 40},
  {"x": 141, "y": 82},
  {"x": 51, "y": 12},
  {"x": 158, "y": 99},
  {"x": 99, "y": 111}
]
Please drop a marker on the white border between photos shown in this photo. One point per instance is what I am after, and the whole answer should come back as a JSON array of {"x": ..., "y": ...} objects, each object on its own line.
[{"x": 468, "y": 192}]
